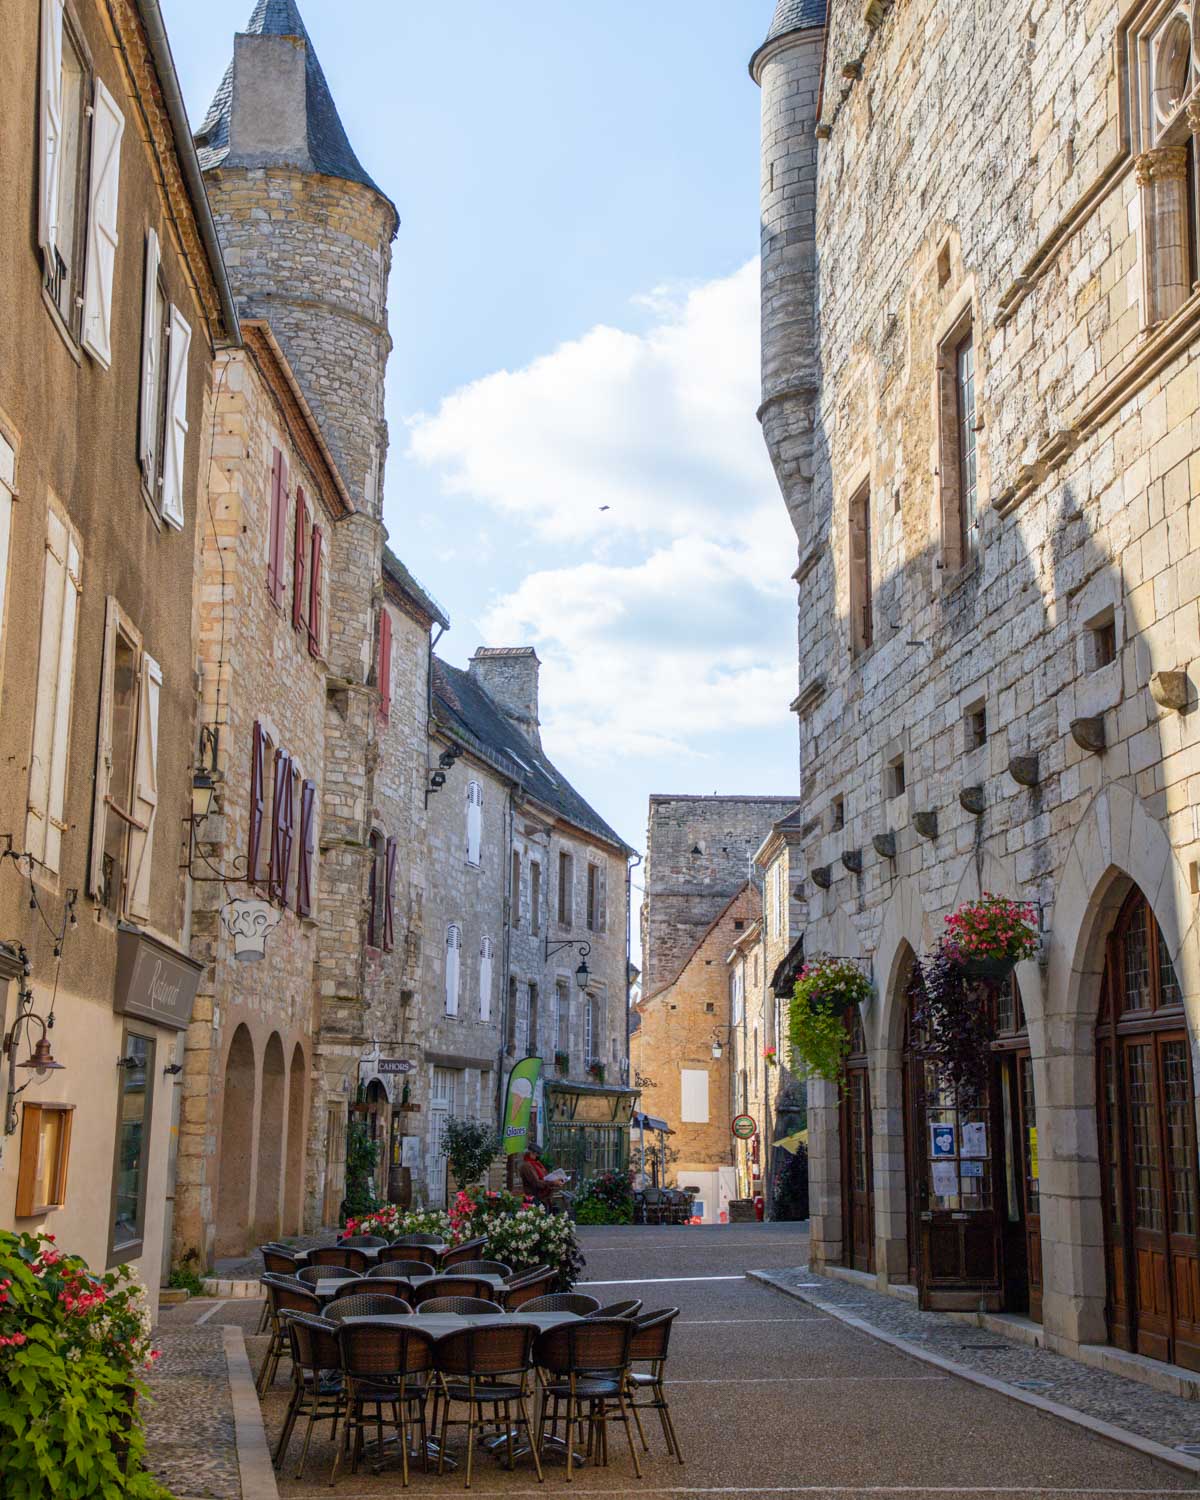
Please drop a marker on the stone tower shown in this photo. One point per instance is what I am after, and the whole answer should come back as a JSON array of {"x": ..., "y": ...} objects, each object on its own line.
[{"x": 787, "y": 67}]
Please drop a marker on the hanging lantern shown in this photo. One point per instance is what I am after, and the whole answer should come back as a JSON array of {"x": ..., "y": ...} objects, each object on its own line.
[{"x": 249, "y": 921}]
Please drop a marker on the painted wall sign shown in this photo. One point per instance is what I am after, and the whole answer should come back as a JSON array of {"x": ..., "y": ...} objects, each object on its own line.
[{"x": 154, "y": 983}]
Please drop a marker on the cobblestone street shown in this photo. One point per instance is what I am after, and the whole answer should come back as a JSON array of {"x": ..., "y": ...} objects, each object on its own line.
[{"x": 771, "y": 1395}]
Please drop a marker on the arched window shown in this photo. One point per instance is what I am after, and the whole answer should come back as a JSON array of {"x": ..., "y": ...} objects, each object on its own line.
[
  {"x": 453, "y": 966},
  {"x": 485, "y": 979},
  {"x": 474, "y": 822}
]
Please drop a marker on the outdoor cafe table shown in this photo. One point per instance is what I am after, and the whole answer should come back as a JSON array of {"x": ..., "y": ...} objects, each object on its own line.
[
  {"x": 329, "y": 1286},
  {"x": 441, "y": 1325}
]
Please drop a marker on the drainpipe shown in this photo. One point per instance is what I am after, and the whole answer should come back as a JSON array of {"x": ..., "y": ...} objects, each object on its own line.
[{"x": 631, "y": 865}]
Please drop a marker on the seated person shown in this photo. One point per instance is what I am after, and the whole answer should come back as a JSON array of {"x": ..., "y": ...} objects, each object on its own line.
[{"x": 533, "y": 1178}]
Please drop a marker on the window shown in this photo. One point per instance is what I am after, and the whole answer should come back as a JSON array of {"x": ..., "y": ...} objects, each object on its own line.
[
  {"x": 1102, "y": 643},
  {"x": 964, "y": 388},
  {"x": 375, "y": 885},
  {"x": 566, "y": 877},
  {"x": 534, "y": 1020},
  {"x": 958, "y": 445},
  {"x": 301, "y": 545},
  {"x": 126, "y": 792},
  {"x": 510, "y": 1018},
  {"x": 894, "y": 779},
  {"x": 777, "y": 881},
  {"x": 453, "y": 966},
  {"x": 45, "y": 1152},
  {"x": 474, "y": 822},
  {"x": 485, "y": 979},
  {"x": 163, "y": 424},
  {"x": 384, "y": 665},
  {"x": 975, "y": 730},
  {"x": 693, "y": 1096},
  {"x": 535, "y": 897},
  {"x": 597, "y": 914},
  {"x": 308, "y": 848},
  {"x": 65, "y": 92},
  {"x": 61, "y": 587},
  {"x": 316, "y": 594},
  {"x": 283, "y": 826},
  {"x": 591, "y": 1029},
  {"x": 277, "y": 535},
  {"x": 837, "y": 816},
  {"x": 259, "y": 838},
  {"x": 134, "y": 1099},
  {"x": 8, "y": 476},
  {"x": 736, "y": 997},
  {"x": 515, "y": 914},
  {"x": 562, "y": 1019},
  {"x": 862, "y": 626},
  {"x": 390, "y": 854}
]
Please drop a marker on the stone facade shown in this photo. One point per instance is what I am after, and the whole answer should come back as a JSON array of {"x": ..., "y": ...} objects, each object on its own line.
[{"x": 998, "y": 615}]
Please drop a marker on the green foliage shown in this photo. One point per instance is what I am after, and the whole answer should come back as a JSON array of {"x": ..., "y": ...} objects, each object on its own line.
[
  {"x": 471, "y": 1147},
  {"x": 605, "y": 1199},
  {"x": 184, "y": 1279},
  {"x": 362, "y": 1158},
  {"x": 826, "y": 989}
]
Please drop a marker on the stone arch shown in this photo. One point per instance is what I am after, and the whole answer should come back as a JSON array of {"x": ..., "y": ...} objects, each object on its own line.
[
  {"x": 1172, "y": 66},
  {"x": 293, "y": 1177},
  {"x": 235, "y": 1170},
  {"x": 268, "y": 1191}
]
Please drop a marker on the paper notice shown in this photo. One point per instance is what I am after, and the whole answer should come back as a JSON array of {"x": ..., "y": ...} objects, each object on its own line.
[
  {"x": 945, "y": 1179},
  {"x": 974, "y": 1138}
]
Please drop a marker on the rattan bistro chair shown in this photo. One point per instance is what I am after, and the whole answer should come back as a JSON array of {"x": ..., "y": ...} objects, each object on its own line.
[
  {"x": 528, "y": 1288},
  {"x": 651, "y": 1337},
  {"x": 420, "y": 1239},
  {"x": 530, "y": 1273},
  {"x": 315, "y": 1392},
  {"x": 388, "y": 1286},
  {"x": 466, "y": 1251},
  {"x": 281, "y": 1260},
  {"x": 364, "y": 1305},
  {"x": 628, "y": 1309},
  {"x": 363, "y": 1242},
  {"x": 412, "y": 1250},
  {"x": 452, "y": 1286},
  {"x": 384, "y": 1365},
  {"x": 338, "y": 1255},
  {"x": 584, "y": 1364},
  {"x": 406, "y": 1268},
  {"x": 459, "y": 1305},
  {"x": 568, "y": 1302},
  {"x": 484, "y": 1368},
  {"x": 284, "y": 1294},
  {"x": 482, "y": 1267},
  {"x": 310, "y": 1275}
]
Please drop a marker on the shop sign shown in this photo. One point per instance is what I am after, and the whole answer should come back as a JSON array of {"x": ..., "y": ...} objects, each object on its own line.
[
  {"x": 154, "y": 983},
  {"x": 392, "y": 1065},
  {"x": 744, "y": 1127}
]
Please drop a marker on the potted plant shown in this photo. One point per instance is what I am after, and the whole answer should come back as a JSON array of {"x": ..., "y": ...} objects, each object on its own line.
[
  {"x": 470, "y": 1147},
  {"x": 989, "y": 937},
  {"x": 769, "y": 1057},
  {"x": 596, "y": 1070},
  {"x": 562, "y": 1063},
  {"x": 827, "y": 989}
]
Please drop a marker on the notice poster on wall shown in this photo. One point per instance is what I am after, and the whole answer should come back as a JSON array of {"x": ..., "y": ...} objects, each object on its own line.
[
  {"x": 974, "y": 1142},
  {"x": 945, "y": 1179},
  {"x": 941, "y": 1141},
  {"x": 410, "y": 1152},
  {"x": 1033, "y": 1153}
]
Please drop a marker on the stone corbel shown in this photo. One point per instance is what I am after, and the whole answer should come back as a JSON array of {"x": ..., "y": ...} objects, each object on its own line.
[
  {"x": 926, "y": 824},
  {"x": 1024, "y": 769},
  {"x": 853, "y": 861},
  {"x": 1088, "y": 733},
  {"x": 823, "y": 876},
  {"x": 971, "y": 799},
  {"x": 885, "y": 845},
  {"x": 1170, "y": 689}
]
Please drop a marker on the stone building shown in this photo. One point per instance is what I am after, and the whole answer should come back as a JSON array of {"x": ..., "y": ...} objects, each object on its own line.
[
  {"x": 980, "y": 395},
  {"x": 113, "y": 303}
]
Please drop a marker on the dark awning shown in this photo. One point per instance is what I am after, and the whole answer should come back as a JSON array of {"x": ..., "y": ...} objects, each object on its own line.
[
  {"x": 783, "y": 981},
  {"x": 648, "y": 1122}
]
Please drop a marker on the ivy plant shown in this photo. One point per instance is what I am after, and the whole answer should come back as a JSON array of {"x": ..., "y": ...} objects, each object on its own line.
[{"x": 826, "y": 990}]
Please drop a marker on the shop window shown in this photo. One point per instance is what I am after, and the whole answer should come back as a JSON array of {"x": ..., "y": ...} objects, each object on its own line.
[
  {"x": 45, "y": 1153},
  {"x": 135, "y": 1087}
]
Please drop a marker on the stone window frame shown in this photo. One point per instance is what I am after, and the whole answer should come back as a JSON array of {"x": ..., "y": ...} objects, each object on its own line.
[
  {"x": 860, "y": 590},
  {"x": 957, "y": 533}
]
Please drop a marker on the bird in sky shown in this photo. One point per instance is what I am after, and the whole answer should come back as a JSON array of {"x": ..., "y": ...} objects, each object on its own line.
[{"x": 606, "y": 507}]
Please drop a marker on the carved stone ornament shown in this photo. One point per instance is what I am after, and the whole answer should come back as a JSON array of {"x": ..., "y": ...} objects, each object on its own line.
[
  {"x": 852, "y": 859},
  {"x": 885, "y": 845},
  {"x": 250, "y": 921},
  {"x": 1164, "y": 164},
  {"x": 823, "y": 876},
  {"x": 926, "y": 824},
  {"x": 1088, "y": 733},
  {"x": 1024, "y": 769},
  {"x": 1193, "y": 117},
  {"x": 972, "y": 800},
  {"x": 1169, "y": 690}
]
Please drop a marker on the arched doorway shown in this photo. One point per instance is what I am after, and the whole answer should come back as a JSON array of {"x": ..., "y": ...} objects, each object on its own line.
[
  {"x": 237, "y": 1128},
  {"x": 858, "y": 1196},
  {"x": 268, "y": 1196},
  {"x": 1146, "y": 1105},
  {"x": 293, "y": 1181}
]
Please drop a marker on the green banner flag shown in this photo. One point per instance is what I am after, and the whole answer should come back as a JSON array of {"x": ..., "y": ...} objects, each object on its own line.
[{"x": 518, "y": 1104}]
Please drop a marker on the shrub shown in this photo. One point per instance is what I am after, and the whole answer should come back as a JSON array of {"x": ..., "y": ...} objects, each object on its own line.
[
  {"x": 533, "y": 1236},
  {"x": 470, "y": 1147},
  {"x": 184, "y": 1279},
  {"x": 71, "y": 1346},
  {"x": 362, "y": 1158},
  {"x": 605, "y": 1199}
]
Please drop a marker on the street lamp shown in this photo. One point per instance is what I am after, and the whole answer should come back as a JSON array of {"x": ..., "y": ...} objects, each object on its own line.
[
  {"x": 583, "y": 975},
  {"x": 718, "y": 1046}
]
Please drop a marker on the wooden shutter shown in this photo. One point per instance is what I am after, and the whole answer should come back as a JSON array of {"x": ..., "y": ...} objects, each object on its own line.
[
  {"x": 278, "y": 537},
  {"x": 145, "y": 791},
  {"x": 602, "y": 898},
  {"x": 389, "y": 896},
  {"x": 104, "y": 752},
  {"x": 385, "y": 664},
  {"x": 258, "y": 755},
  {"x": 287, "y": 827},
  {"x": 151, "y": 367},
  {"x": 277, "y": 878},
  {"x": 300, "y": 563},
  {"x": 51, "y": 128},
  {"x": 304, "y": 868},
  {"x": 315, "y": 576},
  {"x": 175, "y": 437},
  {"x": 44, "y": 824},
  {"x": 108, "y": 127}
]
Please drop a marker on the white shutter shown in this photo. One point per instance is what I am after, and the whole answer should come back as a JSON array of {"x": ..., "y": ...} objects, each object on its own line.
[
  {"x": 104, "y": 752},
  {"x": 474, "y": 821},
  {"x": 47, "y": 769},
  {"x": 485, "y": 979},
  {"x": 51, "y": 127},
  {"x": 693, "y": 1096},
  {"x": 453, "y": 951},
  {"x": 108, "y": 126},
  {"x": 175, "y": 440},
  {"x": 151, "y": 365},
  {"x": 145, "y": 791},
  {"x": 56, "y": 824},
  {"x": 7, "y": 476}
]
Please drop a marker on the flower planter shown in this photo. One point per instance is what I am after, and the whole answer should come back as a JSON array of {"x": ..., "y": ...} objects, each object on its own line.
[{"x": 989, "y": 970}]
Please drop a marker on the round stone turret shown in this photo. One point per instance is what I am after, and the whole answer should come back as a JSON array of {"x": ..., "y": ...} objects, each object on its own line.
[{"x": 306, "y": 234}]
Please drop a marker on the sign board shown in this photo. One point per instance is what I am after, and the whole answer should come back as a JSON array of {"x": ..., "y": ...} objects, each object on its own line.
[
  {"x": 518, "y": 1104},
  {"x": 154, "y": 983},
  {"x": 387, "y": 1065},
  {"x": 744, "y": 1127}
]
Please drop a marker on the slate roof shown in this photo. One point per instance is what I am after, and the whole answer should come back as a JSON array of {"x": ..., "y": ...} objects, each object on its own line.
[
  {"x": 796, "y": 15},
  {"x": 328, "y": 145},
  {"x": 473, "y": 717},
  {"x": 405, "y": 581}
]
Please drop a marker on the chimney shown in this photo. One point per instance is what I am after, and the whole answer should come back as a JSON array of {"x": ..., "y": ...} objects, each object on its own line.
[
  {"x": 509, "y": 676},
  {"x": 268, "y": 123}
]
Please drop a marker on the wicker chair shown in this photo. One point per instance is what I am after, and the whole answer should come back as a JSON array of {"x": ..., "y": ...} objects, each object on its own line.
[
  {"x": 651, "y": 1337},
  {"x": 363, "y": 1242},
  {"x": 339, "y": 1255},
  {"x": 314, "y": 1393},
  {"x": 411, "y": 1251},
  {"x": 407, "y": 1268},
  {"x": 466, "y": 1251},
  {"x": 365, "y": 1305},
  {"x": 655, "y": 1205},
  {"x": 461, "y": 1305},
  {"x": 584, "y": 1364},
  {"x": 310, "y": 1275},
  {"x": 284, "y": 1294},
  {"x": 452, "y": 1286},
  {"x": 629, "y": 1309},
  {"x": 389, "y": 1286},
  {"x": 570, "y": 1302},
  {"x": 477, "y": 1368},
  {"x": 527, "y": 1274},
  {"x": 483, "y": 1267},
  {"x": 281, "y": 1261},
  {"x": 419, "y": 1239},
  {"x": 385, "y": 1365},
  {"x": 528, "y": 1289}
]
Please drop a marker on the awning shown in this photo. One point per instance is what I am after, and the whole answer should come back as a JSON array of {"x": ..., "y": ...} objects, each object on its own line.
[
  {"x": 783, "y": 981},
  {"x": 793, "y": 1142},
  {"x": 648, "y": 1122}
]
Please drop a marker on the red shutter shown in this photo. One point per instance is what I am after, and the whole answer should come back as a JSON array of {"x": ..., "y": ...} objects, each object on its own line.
[
  {"x": 257, "y": 784},
  {"x": 372, "y": 879},
  {"x": 278, "y": 538},
  {"x": 287, "y": 832},
  {"x": 385, "y": 664},
  {"x": 389, "y": 897},
  {"x": 283, "y": 779},
  {"x": 300, "y": 564},
  {"x": 304, "y": 869},
  {"x": 314, "y": 598}
]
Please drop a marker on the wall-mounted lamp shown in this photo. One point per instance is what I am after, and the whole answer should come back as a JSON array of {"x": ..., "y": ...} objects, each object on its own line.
[
  {"x": 718, "y": 1046},
  {"x": 172, "y": 1069},
  {"x": 41, "y": 1060},
  {"x": 583, "y": 975}
]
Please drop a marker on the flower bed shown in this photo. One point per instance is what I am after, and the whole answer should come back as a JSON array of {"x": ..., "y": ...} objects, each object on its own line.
[{"x": 71, "y": 1346}]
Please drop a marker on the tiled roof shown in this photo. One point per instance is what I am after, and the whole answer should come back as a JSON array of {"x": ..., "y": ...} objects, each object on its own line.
[
  {"x": 404, "y": 580},
  {"x": 329, "y": 148},
  {"x": 472, "y": 716},
  {"x": 796, "y": 15}
]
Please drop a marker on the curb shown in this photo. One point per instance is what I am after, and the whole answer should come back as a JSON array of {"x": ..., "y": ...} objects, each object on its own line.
[
  {"x": 255, "y": 1470},
  {"x": 1146, "y": 1446},
  {"x": 217, "y": 1288}
]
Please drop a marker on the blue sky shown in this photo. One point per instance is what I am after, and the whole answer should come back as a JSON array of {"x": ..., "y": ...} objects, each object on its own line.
[{"x": 574, "y": 308}]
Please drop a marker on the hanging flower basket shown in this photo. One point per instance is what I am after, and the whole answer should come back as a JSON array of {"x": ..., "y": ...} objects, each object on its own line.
[
  {"x": 988, "y": 938},
  {"x": 770, "y": 1057},
  {"x": 827, "y": 989}
]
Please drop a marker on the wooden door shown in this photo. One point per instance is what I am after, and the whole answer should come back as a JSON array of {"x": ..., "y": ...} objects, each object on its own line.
[
  {"x": 858, "y": 1196},
  {"x": 1178, "y": 1117}
]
